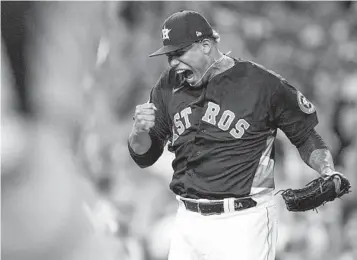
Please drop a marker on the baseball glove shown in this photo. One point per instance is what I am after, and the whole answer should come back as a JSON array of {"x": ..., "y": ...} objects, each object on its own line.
[{"x": 316, "y": 193}]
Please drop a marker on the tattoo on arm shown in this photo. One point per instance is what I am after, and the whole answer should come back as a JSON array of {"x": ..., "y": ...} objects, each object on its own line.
[
  {"x": 321, "y": 161},
  {"x": 316, "y": 154}
]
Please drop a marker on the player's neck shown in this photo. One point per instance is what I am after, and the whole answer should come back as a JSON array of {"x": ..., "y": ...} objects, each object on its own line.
[
  {"x": 220, "y": 63},
  {"x": 216, "y": 64}
]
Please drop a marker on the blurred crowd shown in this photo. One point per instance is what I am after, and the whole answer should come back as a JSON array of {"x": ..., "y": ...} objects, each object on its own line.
[{"x": 66, "y": 123}]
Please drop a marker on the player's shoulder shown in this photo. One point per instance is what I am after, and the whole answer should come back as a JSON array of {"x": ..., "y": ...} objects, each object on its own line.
[
  {"x": 265, "y": 81},
  {"x": 258, "y": 69}
]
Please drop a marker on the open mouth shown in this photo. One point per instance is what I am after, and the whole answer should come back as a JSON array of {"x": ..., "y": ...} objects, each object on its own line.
[{"x": 187, "y": 74}]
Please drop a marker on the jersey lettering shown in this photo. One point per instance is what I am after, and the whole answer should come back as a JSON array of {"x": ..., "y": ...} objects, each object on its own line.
[
  {"x": 239, "y": 129},
  {"x": 211, "y": 113},
  {"x": 179, "y": 125},
  {"x": 184, "y": 113},
  {"x": 182, "y": 121},
  {"x": 226, "y": 120}
]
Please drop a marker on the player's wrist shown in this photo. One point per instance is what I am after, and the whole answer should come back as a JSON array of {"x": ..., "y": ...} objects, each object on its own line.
[
  {"x": 327, "y": 170},
  {"x": 138, "y": 130}
]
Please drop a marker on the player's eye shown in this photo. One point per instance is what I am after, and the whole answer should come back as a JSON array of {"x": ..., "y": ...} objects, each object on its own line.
[
  {"x": 178, "y": 53},
  {"x": 175, "y": 54}
]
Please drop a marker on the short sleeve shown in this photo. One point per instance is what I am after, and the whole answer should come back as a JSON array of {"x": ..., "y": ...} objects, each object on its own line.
[{"x": 292, "y": 112}]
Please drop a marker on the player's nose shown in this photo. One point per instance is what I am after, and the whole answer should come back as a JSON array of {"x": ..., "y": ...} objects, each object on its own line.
[{"x": 173, "y": 62}]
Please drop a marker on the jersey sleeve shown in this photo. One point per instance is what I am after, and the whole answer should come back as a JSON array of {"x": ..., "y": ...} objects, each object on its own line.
[
  {"x": 292, "y": 112},
  {"x": 160, "y": 133},
  {"x": 159, "y": 97}
]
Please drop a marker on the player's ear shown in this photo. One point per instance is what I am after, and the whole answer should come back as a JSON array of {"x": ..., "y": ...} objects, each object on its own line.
[{"x": 206, "y": 45}]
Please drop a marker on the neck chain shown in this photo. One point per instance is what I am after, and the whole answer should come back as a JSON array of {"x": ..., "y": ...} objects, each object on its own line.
[{"x": 215, "y": 62}]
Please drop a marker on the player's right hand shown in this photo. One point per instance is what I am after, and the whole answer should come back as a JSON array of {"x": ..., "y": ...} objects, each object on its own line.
[{"x": 144, "y": 117}]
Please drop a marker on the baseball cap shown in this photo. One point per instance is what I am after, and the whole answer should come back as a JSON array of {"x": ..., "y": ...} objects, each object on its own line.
[{"x": 182, "y": 29}]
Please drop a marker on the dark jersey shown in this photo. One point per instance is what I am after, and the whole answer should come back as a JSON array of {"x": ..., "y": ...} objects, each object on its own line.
[{"x": 223, "y": 133}]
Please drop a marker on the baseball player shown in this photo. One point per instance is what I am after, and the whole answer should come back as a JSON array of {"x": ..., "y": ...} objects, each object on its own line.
[{"x": 220, "y": 116}]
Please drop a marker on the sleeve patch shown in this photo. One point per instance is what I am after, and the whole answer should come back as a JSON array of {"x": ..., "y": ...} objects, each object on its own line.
[{"x": 305, "y": 105}]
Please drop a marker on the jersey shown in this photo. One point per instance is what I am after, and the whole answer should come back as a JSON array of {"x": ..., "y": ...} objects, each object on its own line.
[{"x": 223, "y": 133}]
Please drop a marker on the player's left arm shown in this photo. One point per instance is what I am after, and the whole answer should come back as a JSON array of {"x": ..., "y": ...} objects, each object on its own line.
[
  {"x": 315, "y": 153},
  {"x": 296, "y": 116}
]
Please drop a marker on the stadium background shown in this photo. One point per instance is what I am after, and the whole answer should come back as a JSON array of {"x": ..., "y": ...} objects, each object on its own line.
[{"x": 64, "y": 136}]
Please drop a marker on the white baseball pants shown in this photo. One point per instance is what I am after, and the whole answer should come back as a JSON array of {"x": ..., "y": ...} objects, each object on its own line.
[{"x": 249, "y": 234}]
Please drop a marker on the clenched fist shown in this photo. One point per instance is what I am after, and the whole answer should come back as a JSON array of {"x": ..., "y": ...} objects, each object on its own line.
[{"x": 144, "y": 117}]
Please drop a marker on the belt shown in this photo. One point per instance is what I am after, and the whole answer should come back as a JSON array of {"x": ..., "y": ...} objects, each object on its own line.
[{"x": 217, "y": 207}]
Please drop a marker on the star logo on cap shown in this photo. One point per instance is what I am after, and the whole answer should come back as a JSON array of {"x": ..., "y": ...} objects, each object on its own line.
[{"x": 165, "y": 34}]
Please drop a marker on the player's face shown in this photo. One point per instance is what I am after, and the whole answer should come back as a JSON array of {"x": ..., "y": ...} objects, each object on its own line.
[{"x": 190, "y": 62}]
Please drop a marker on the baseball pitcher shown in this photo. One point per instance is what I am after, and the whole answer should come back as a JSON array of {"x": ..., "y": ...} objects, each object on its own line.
[{"x": 219, "y": 116}]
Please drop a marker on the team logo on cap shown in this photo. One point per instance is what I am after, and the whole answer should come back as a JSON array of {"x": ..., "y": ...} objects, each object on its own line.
[
  {"x": 305, "y": 105},
  {"x": 165, "y": 34}
]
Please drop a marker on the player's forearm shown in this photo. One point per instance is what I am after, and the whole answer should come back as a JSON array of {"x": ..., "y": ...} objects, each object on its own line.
[
  {"x": 315, "y": 153},
  {"x": 140, "y": 143},
  {"x": 148, "y": 148},
  {"x": 321, "y": 161}
]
